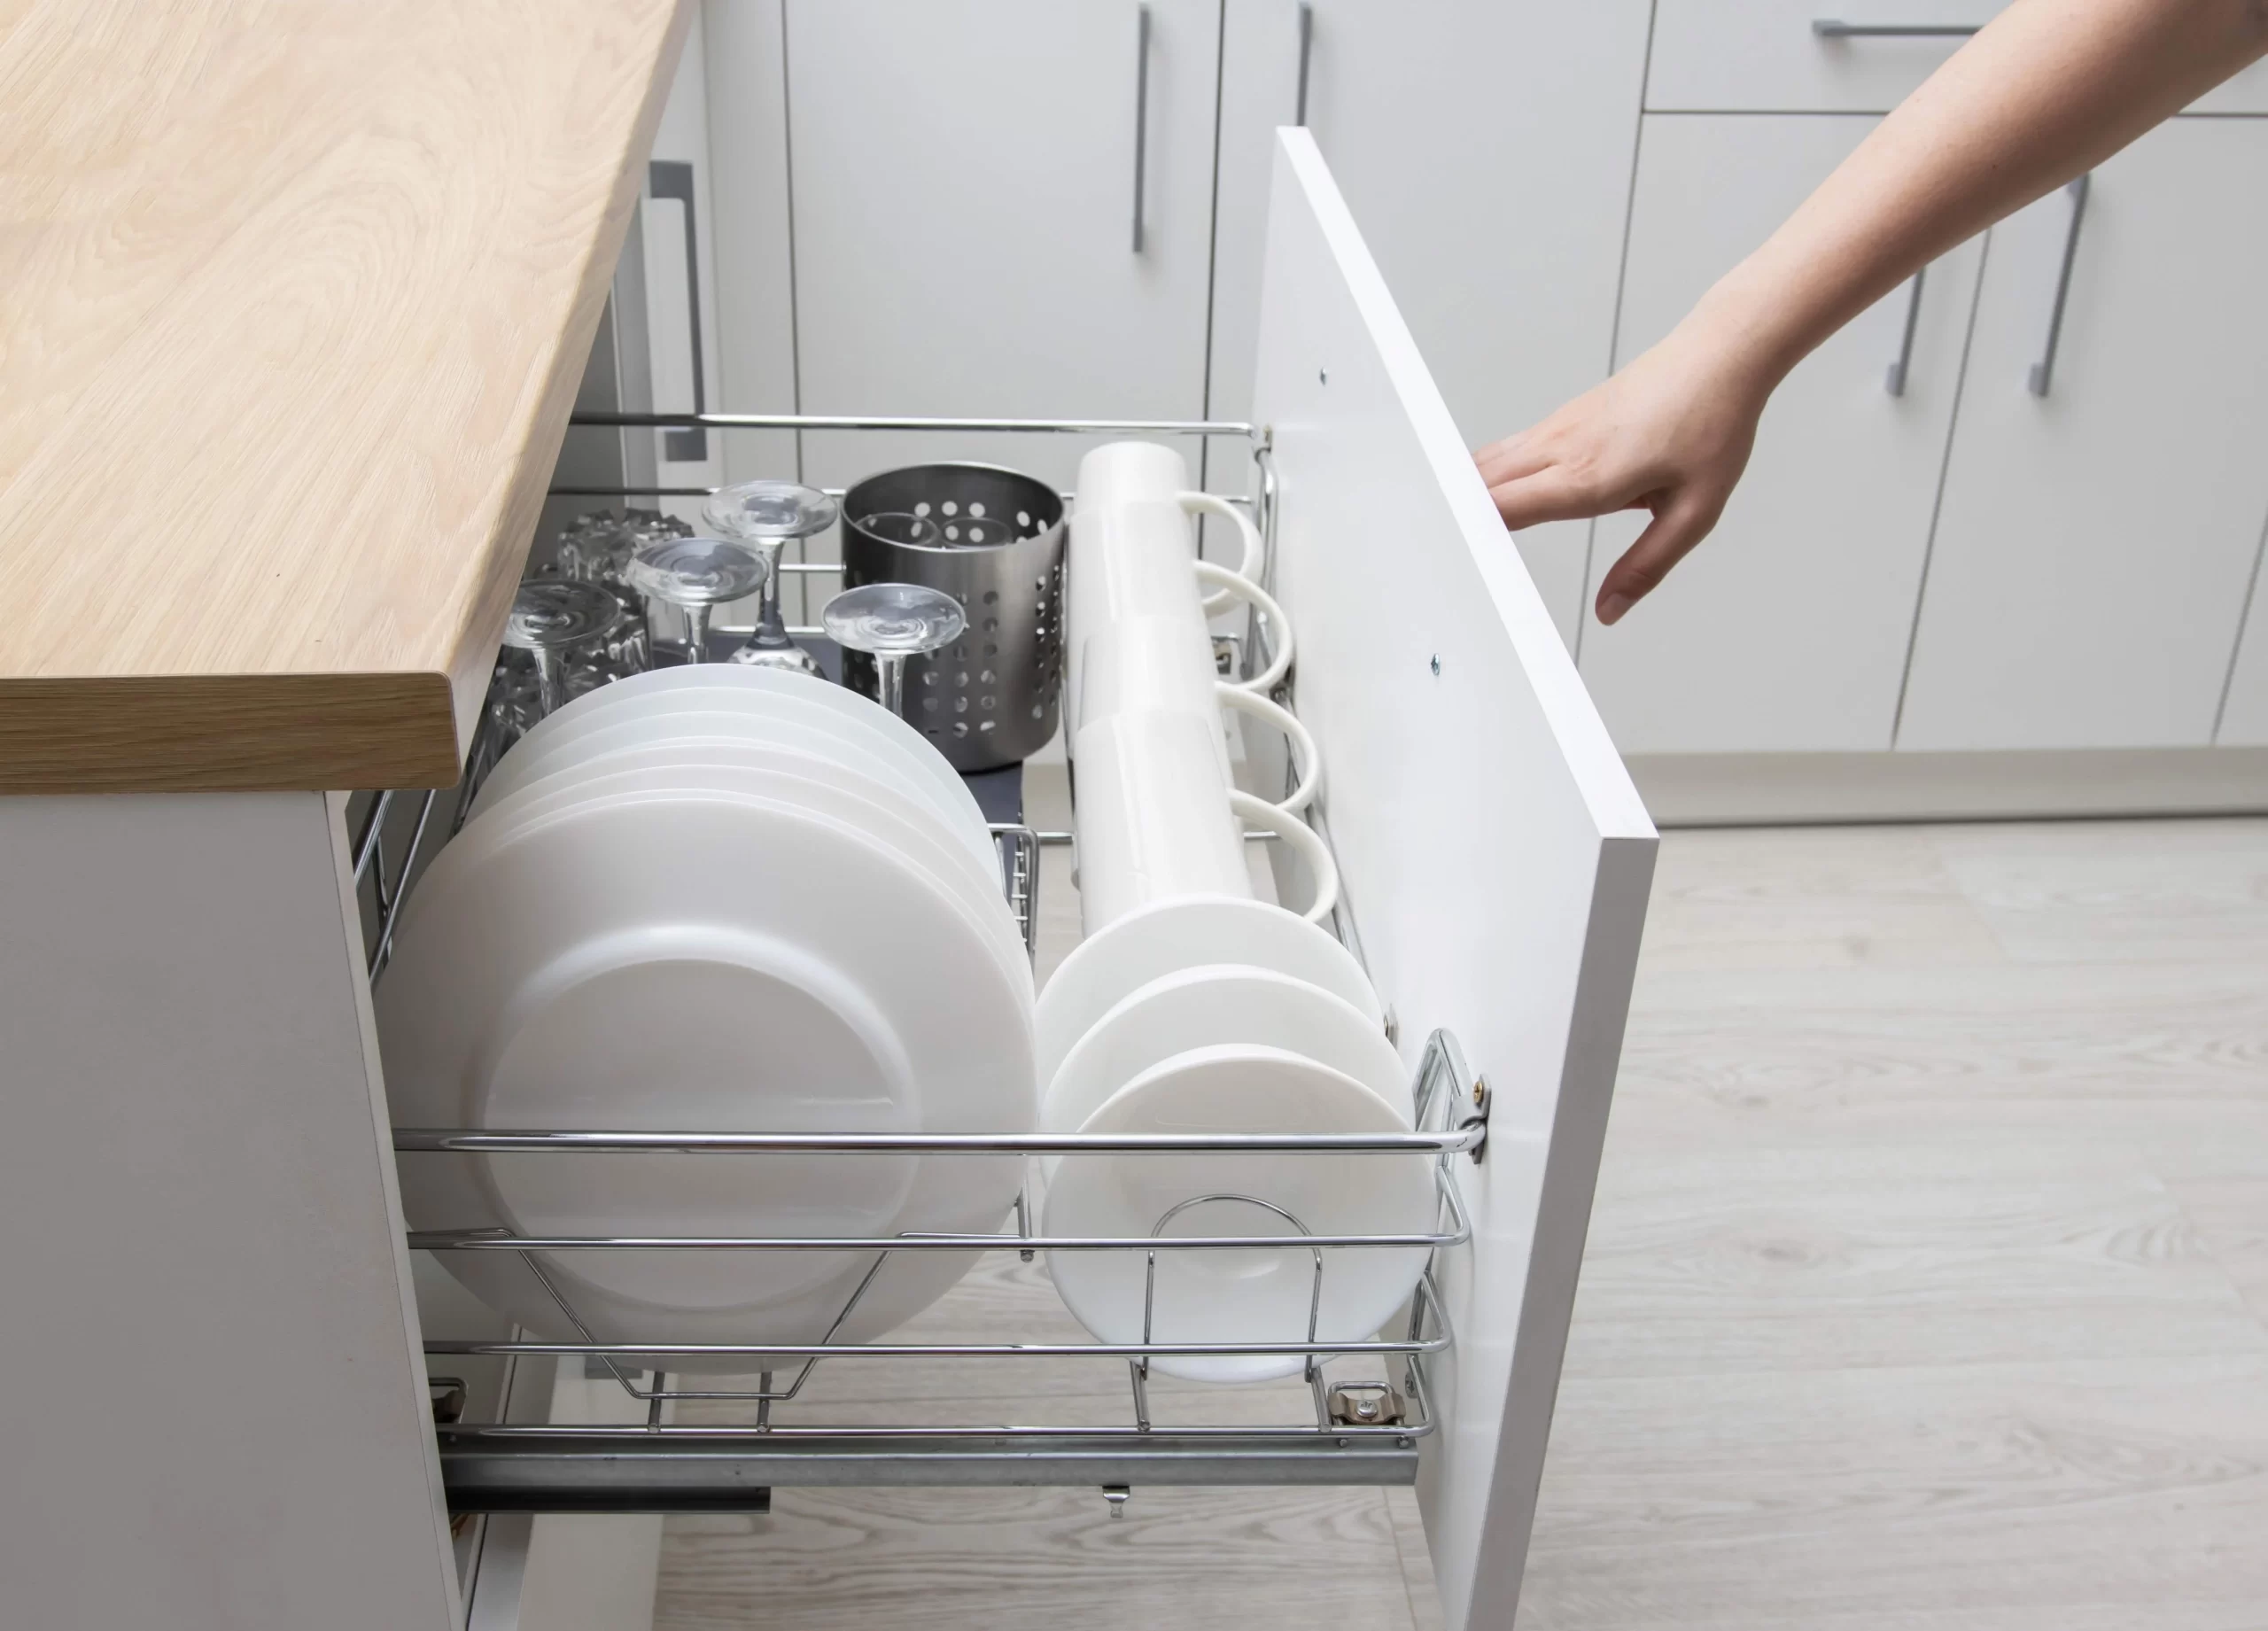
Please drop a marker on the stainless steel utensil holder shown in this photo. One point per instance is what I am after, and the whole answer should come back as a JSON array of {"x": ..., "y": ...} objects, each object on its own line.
[{"x": 1366, "y": 1429}]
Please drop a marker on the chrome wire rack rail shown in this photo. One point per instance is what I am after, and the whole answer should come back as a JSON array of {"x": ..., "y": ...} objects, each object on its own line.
[{"x": 1365, "y": 1429}]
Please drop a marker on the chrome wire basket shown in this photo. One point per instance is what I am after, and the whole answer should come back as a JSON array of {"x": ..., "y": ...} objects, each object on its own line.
[{"x": 1368, "y": 1404}]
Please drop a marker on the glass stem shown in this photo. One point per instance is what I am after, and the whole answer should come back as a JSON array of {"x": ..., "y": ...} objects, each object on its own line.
[
  {"x": 771, "y": 627},
  {"x": 696, "y": 633},
  {"x": 889, "y": 667},
  {"x": 550, "y": 681}
]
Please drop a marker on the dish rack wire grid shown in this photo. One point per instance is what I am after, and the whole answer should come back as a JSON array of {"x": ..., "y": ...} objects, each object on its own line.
[{"x": 1365, "y": 1431}]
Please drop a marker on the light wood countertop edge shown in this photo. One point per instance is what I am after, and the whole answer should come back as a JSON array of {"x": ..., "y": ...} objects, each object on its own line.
[
  {"x": 332, "y": 732},
  {"x": 227, "y": 733}
]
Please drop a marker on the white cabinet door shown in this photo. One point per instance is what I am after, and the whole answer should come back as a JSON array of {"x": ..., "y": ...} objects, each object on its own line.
[
  {"x": 2094, "y": 544},
  {"x": 1787, "y": 630},
  {"x": 1485, "y": 149},
  {"x": 970, "y": 238},
  {"x": 1492, "y": 848}
]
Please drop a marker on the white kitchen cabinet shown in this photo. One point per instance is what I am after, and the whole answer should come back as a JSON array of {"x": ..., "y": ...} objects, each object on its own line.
[
  {"x": 1002, "y": 208},
  {"x": 2095, "y": 543},
  {"x": 1775, "y": 56},
  {"x": 1485, "y": 149},
  {"x": 1788, "y": 630}
]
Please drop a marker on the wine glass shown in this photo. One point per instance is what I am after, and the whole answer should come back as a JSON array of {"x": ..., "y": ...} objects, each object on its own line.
[
  {"x": 694, "y": 574},
  {"x": 891, "y": 622},
  {"x": 768, "y": 513},
  {"x": 551, "y": 616}
]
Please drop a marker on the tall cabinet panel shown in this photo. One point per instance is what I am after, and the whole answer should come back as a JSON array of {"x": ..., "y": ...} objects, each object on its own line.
[
  {"x": 1788, "y": 632},
  {"x": 1002, "y": 208},
  {"x": 1484, "y": 147},
  {"x": 2101, "y": 519}
]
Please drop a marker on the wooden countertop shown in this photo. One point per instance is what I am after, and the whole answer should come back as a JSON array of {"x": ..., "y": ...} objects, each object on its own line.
[{"x": 297, "y": 296}]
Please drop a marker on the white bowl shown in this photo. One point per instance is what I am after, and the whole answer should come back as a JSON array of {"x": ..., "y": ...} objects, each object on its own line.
[
  {"x": 764, "y": 692},
  {"x": 1203, "y": 1006},
  {"x": 1255, "y": 1295},
  {"x": 765, "y": 768},
  {"x": 1171, "y": 936},
  {"x": 671, "y": 961}
]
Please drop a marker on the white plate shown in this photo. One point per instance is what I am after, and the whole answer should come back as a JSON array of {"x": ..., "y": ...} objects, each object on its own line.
[
  {"x": 1200, "y": 1007},
  {"x": 770, "y": 691},
  {"x": 667, "y": 962},
  {"x": 1170, "y": 936},
  {"x": 806, "y": 731},
  {"x": 1259, "y": 1295},
  {"x": 769, "y": 770}
]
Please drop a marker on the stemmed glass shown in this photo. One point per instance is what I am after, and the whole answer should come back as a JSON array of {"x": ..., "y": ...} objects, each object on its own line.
[
  {"x": 552, "y": 617},
  {"x": 768, "y": 513},
  {"x": 891, "y": 622},
  {"x": 694, "y": 574}
]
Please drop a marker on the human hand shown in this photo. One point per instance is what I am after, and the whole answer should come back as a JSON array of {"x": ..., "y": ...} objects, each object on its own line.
[{"x": 1670, "y": 433}]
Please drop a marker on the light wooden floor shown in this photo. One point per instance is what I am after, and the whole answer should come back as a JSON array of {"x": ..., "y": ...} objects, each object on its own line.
[{"x": 1928, "y": 1288}]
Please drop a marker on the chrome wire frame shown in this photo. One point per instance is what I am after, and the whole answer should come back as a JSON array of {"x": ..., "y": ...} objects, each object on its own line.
[
  {"x": 664, "y": 1465},
  {"x": 388, "y": 890},
  {"x": 1262, "y": 501},
  {"x": 485, "y": 1453}
]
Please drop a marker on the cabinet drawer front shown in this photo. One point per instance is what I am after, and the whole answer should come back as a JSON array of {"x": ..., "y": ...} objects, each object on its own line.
[
  {"x": 2099, "y": 527},
  {"x": 1712, "y": 56},
  {"x": 1815, "y": 567},
  {"x": 1494, "y": 855}
]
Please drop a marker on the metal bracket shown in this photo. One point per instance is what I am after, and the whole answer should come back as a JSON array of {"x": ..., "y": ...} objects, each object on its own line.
[
  {"x": 1481, "y": 1100},
  {"x": 1367, "y": 1404},
  {"x": 448, "y": 1393}
]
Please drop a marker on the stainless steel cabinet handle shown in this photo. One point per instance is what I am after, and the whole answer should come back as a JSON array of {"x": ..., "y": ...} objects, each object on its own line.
[
  {"x": 673, "y": 178},
  {"x": 2043, "y": 372},
  {"x": 1307, "y": 47},
  {"x": 1894, "y": 381},
  {"x": 1141, "y": 113},
  {"x": 1836, "y": 28}
]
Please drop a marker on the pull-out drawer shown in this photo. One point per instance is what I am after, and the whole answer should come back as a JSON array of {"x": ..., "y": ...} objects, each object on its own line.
[
  {"x": 1832, "y": 56},
  {"x": 1494, "y": 861}
]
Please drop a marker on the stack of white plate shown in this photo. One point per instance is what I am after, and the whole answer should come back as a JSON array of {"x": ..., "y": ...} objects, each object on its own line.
[
  {"x": 1192, "y": 1008},
  {"x": 712, "y": 898}
]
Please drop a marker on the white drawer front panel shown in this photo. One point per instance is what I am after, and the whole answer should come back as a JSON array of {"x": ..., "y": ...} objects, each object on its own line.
[
  {"x": 1494, "y": 854},
  {"x": 1745, "y": 56}
]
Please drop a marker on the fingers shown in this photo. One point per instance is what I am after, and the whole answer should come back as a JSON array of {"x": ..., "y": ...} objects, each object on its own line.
[
  {"x": 1553, "y": 494},
  {"x": 1511, "y": 459},
  {"x": 1677, "y": 527}
]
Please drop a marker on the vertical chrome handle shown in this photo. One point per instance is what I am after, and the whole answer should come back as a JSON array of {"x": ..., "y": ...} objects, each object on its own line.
[
  {"x": 1307, "y": 49},
  {"x": 1836, "y": 28},
  {"x": 2043, "y": 372},
  {"x": 672, "y": 179},
  {"x": 1894, "y": 381},
  {"x": 1141, "y": 113}
]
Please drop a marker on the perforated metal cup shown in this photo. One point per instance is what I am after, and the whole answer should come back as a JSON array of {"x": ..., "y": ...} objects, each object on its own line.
[{"x": 991, "y": 698}]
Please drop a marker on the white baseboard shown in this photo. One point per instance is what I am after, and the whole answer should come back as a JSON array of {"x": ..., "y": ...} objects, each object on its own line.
[{"x": 1736, "y": 789}]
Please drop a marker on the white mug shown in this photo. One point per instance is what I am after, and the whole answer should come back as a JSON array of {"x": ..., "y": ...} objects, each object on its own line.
[
  {"x": 1148, "y": 664},
  {"x": 1155, "y": 819}
]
